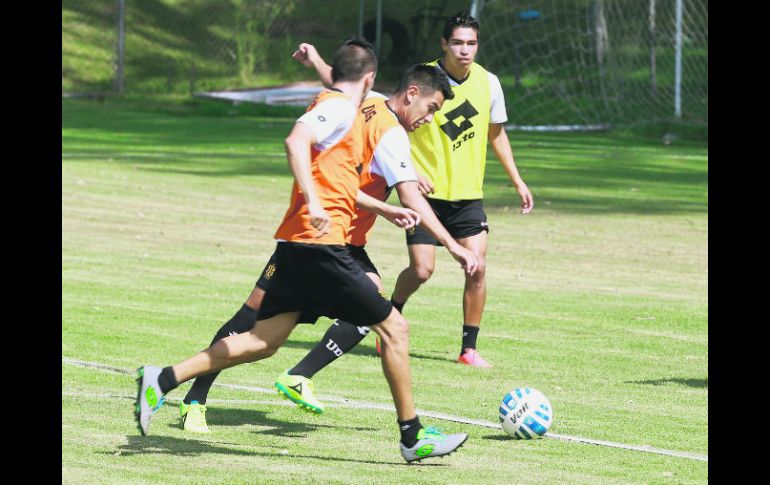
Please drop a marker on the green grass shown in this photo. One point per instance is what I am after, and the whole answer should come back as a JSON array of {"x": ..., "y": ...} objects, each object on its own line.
[{"x": 598, "y": 298}]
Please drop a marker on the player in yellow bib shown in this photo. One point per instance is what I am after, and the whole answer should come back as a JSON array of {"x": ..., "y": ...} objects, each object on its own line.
[{"x": 450, "y": 156}]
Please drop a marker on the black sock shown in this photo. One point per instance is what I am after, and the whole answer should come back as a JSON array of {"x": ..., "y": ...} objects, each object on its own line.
[
  {"x": 409, "y": 430},
  {"x": 338, "y": 339},
  {"x": 399, "y": 306},
  {"x": 469, "y": 337},
  {"x": 167, "y": 380},
  {"x": 243, "y": 321}
]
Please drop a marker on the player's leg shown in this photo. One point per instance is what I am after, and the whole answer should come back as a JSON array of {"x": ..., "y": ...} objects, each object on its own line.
[
  {"x": 475, "y": 291},
  {"x": 339, "y": 338},
  {"x": 193, "y": 409},
  {"x": 262, "y": 341},
  {"x": 417, "y": 442},
  {"x": 422, "y": 261},
  {"x": 295, "y": 384},
  {"x": 394, "y": 332}
]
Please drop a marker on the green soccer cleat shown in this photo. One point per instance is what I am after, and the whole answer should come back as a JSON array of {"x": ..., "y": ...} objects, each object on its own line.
[
  {"x": 431, "y": 442},
  {"x": 299, "y": 389},
  {"x": 149, "y": 398},
  {"x": 194, "y": 417}
]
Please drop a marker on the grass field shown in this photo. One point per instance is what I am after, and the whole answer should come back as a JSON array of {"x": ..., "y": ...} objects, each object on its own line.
[{"x": 598, "y": 298}]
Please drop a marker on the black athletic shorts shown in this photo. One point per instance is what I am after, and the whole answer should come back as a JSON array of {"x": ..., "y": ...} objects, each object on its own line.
[
  {"x": 322, "y": 279},
  {"x": 358, "y": 253},
  {"x": 461, "y": 218}
]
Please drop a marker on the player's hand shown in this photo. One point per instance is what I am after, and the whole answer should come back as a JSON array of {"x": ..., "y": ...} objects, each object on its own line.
[
  {"x": 468, "y": 261},
  {"x": 425, "y": 185},
  {"x": 402, "y": 217},
  {"x": 306, "y": 54},
  {"x": 320, "y": 219},
  {"x": 527, "y": 202}
]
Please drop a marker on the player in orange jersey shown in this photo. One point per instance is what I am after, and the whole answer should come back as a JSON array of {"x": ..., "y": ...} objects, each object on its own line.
[
  {"x": 387, "y": 122},
  {"x": 315, "y": 274},
  {"x": 387, "y": 165}
]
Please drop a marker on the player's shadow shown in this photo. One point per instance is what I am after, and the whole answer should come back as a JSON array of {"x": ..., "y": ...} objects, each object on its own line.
[
  {"x": 440, "y": 356},
  {"x": 500, "y": 437},
  {"x": 239, "y": 417},
  {"x": 166, "y": 445},
  {"x": 674, "y": 380},
  {"x": 367, "y": 350}
]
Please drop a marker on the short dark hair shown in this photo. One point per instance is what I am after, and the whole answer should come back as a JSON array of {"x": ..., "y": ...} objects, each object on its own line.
[
  {"x": 460, "y": 19},
  {"x": 428, "y": 78},
  {"x": 353, "y": 60}
]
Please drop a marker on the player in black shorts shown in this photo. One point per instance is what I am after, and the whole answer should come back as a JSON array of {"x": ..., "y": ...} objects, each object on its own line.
[
  {"x": 314, "y": 271},
  {"x": 462, "y": 218}
]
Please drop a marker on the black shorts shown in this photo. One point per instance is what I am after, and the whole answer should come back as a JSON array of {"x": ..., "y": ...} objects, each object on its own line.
[
  {"x": 461, "y": 218},
  {"x": 358, "y": 253},
  {"x": 360, "y": 256},
  {"x": 322, "y": 279}
]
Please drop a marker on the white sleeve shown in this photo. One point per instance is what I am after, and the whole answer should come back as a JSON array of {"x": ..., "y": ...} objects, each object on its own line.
[
  {"x": 330, "y": 120},
  {"x": 497, "y": 113},
  {"x": 392, "y": 159}
]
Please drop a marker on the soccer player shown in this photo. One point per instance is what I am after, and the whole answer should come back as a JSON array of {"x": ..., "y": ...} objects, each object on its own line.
[
  {"x": 315, "y": 274},
  {"x": 387, "y": 165},
  {"x": 450, "y": 155}
]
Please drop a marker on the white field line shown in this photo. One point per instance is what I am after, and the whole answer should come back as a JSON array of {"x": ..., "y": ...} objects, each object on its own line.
[{"x": 349, "y": 403}]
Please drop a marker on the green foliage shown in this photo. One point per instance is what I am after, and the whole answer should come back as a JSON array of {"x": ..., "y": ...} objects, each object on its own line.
[{"x": 256, "y": 44}]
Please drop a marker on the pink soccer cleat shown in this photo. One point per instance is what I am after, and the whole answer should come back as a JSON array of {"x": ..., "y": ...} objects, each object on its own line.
[{"x": 471, "y": 357}]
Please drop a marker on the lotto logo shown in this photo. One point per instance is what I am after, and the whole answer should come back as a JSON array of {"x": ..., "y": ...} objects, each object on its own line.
[{"x": 451, "y": 127}]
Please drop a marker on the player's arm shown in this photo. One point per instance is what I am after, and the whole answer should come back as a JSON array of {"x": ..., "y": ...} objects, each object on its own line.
[
  {"x": 410, "y": 196},
  {"x": 298, "y": 144},
  {"x": 309, "y": 57},
  {"x": 424, "y": 184},
  {"x": 502, "y": 147},
  {"x": 393, "y": 162},
  {"x": 400, "y": 216}
]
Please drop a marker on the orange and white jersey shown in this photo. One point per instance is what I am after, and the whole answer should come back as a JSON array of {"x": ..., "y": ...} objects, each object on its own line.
[
  {"x": 386, "y": 160},
  {"x": 335, "y": 160}
]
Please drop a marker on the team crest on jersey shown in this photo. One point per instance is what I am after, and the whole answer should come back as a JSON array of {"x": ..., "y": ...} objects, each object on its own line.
[
  {"x": 368, "y": 112},
  {"x": 269, "y": 271},
  {"x": 451, "y": 127}
]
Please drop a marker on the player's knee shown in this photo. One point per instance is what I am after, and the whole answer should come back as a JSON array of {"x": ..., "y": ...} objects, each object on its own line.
[
  {"x": 394, "y": 330},
  {"x": 400, "y": 325},
  {"x": 478, "y": 278},
  {"x": 423, "y": 272},
  {"x": 269, "y": 351},
  {"x": 258, "y": 348}
]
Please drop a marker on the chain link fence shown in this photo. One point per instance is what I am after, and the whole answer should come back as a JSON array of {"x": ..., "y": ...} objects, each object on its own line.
[
  {"x": 559, "y": 61},
  {"x": 186, "y": 46},
  {"x": 596, "y": 62}
]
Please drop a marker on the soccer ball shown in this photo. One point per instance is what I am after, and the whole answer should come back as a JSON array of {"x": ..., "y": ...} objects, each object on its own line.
[{"x": 526, "y": 413}]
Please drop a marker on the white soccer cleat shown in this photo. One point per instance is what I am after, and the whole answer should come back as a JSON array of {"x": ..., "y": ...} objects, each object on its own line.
[
  {"x": 431, "y": 442},
  {"x": 149, "y": 397}
]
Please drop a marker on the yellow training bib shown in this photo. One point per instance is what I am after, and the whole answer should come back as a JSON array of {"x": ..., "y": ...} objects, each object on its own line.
[{"x": 452, "y": 150}]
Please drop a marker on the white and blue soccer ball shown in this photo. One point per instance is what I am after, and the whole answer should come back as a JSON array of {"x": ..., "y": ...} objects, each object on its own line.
[{"x": 526, "y": 413}]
